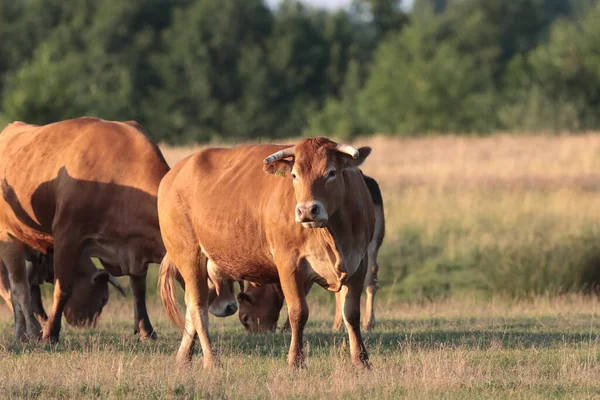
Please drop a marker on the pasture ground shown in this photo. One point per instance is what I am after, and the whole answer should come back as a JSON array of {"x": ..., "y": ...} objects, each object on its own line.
[
  {"x": 539, "y": 348},
  {"x": 490, "y": 244}
]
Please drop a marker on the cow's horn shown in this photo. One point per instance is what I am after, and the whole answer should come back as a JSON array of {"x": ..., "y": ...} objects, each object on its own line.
[
  {"x": 279, "y": 155},
  {"x": 347, "y": 149},
  {"x": 115, "y": 282}
]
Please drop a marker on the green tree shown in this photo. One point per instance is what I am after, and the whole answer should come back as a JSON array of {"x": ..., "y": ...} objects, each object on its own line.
[
  {"x": 90, "y": 61},
  {"x": 557, "y": 86},
  {"x": 213, "y": 72},
  {"x": 419, "y": 84},
  {"x": 342, "y": 117}
]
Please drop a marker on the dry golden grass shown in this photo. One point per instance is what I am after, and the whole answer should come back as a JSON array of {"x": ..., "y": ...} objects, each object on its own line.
[
  {"x": 465, "y": 216},
  {"x": 457, "y": 349},
  {"x": 456, "y": 161}
]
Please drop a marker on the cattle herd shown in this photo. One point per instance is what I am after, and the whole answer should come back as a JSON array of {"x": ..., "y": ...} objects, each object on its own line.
[{"x": 273, "y": 219}]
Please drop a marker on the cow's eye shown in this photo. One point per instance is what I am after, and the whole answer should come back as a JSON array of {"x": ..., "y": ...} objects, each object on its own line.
[
  {"x": 331, "y": 174},
  {"x": 294, "y": 175}
]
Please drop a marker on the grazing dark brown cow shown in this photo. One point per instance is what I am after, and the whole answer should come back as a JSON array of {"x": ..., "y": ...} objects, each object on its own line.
[
  {"x": 84, "y": 188},
  {"x": 259, "y": 306},
  {"x": 308, "y": 218},
  {"x": 90, "y": 290}
]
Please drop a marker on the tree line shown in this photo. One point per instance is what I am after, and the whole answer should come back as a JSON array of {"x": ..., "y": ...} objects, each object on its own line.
[{"x": 196, "y": 70}]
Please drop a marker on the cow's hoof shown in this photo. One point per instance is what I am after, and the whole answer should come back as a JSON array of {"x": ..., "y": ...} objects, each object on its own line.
[
  {"x": 369, "y": 326},
  {"x": 145, "y": 336},
  {"x": 362, "y": 363},
  {"x": 211, "y": 363},
  {"x": 25, "y": 338},
  {"x": 50, "y": 339}
]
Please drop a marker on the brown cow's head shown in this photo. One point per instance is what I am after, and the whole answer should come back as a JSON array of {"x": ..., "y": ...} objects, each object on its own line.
[
  {"x": 90, "y": 295},
  {"x": 316, "y": 167},
  {"x": 260, "y": 307}
]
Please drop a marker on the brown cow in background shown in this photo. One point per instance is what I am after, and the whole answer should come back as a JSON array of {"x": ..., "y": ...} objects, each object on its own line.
[
  {"x": 259, "y": 306},
  {"x": 81, "y": 188},
  {"x": 310, "y": 217}
]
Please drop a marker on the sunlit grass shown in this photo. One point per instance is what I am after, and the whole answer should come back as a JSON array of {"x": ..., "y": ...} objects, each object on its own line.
[
  {"x": 543, "y": 348},
  {"x": 490, "y": 243}
]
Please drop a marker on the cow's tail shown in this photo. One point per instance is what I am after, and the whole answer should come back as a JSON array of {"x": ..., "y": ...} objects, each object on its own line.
[{"x": 166, "y": 284}]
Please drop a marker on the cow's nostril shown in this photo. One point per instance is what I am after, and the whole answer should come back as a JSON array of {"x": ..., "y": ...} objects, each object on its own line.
[
  {"x": 314, "y": 210},
  {"x": 231, "y": 309}
]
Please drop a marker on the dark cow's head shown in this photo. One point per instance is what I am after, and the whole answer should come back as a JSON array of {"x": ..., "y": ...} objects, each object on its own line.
[
  {"x": 90, "y": 289},
  {"x": 260, "y": 307},
  {"x": 90, "y": 295},
  {"x": 316, "y": 167}
]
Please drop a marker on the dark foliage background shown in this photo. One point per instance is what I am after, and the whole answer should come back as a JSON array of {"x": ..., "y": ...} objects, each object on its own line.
[{"x": 196, "y": 70}]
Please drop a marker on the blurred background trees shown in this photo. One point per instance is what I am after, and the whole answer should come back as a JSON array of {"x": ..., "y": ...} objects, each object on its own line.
[{"x": 195, "y": 70}]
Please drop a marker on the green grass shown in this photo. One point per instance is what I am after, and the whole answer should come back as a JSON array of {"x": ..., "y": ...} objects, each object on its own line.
[{"x": 542, "y": 348}]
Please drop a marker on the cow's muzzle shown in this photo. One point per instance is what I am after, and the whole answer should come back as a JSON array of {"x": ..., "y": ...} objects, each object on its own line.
[
  {"x": 223, "y": 308},
  {"x": 311, "y": 214}
]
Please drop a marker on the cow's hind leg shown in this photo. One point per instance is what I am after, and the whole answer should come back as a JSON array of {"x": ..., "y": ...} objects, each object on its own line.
[
  {"x": 141, "y": 321},
  {"x": 195, "y": 275},
  {"x": 186, "y": 348},
  {"x": 5, "y": 286},
  {"x": 66, "y": 257},
  {"x": 350, "y": 299},
  {"x": 372, "y": 285},
  {"x": 26, "y": 325}
]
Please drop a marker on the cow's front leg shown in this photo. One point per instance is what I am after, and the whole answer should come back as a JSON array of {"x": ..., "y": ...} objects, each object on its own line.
[
  {"x": 66, "y": 257},
  {"x": 37, "y": 305},
  {"x": 350, "y": 302},
  {"x": 141, "y": 321},
  {"x": 292, "y": 283},
  {"x": 307, "y": 286},
  {"x": 337, "y": 318}
]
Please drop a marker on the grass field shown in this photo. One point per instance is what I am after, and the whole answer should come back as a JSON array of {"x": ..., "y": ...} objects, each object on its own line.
[
  {"x": 547, "y": 348},
  {"x": 491, "y": 243}
]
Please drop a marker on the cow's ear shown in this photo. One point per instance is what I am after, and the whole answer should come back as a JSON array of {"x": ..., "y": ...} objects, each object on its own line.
[
  {"x": 279, "y": 167},
  {"x": 363, "y": 153},
  {"x": 100, "y": 277},
  {"x": 244, "y": 297}
]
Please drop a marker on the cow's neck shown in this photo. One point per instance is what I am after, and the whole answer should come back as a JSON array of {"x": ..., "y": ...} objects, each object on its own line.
[{"x": 333, "y": 256}]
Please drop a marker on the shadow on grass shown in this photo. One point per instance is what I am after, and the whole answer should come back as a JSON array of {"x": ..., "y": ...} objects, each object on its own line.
[{"x": 391, "y": 336}]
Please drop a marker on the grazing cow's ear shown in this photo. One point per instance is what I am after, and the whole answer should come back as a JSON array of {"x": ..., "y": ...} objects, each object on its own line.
[
  {"x": 241, "y": 297},
  {"x": 363, "y": 153},
  {"x": 99, "y": 277},
  {"x": 279, "y": 167}
]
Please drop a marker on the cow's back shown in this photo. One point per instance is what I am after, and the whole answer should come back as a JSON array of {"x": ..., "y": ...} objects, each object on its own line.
[
  {"x": 85, "y": 166},
  {"x": 230, "y": 201}
]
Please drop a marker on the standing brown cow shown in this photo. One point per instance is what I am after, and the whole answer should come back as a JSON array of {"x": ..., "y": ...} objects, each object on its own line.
[
  {"x": 84, "y": 188},
  {"x": 259, "y": 306},
  {"x": 308, "y": 218}
]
